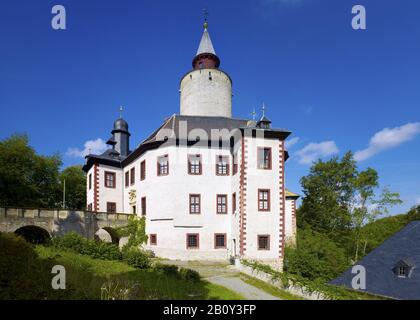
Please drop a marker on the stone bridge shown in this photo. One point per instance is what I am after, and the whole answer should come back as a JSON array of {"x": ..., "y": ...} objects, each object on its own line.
[{"x": 37, "y": 225}]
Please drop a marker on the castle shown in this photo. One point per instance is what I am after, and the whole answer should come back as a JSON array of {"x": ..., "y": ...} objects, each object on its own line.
[{"x": 210, "y": 186}]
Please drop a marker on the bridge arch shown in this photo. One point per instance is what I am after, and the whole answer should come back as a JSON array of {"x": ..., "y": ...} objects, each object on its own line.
[
  {"x": 108, "y": 234},
  {"x": 33, "y": 234}
]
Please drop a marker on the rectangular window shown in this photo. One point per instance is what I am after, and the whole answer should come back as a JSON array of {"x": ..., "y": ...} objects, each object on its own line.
[
  {"x": 134, "y": 209},
  {"x": 193, "y": 241},
  {"x": 111, "y": 207},
  {"x": 90, "y": 181},
  {"x": 233, "y": 203},
  {"x": 153, "y": 239},
  {"x": 222, "y": 166},
  {"x": 109, "y": 179},
  {"x": 220, "y": 240},
  {"x": 221, "y": 204},
  {"x": 235, "y": 164},
  {"x": 89, "y": 207},
  {"x": 195, "y": 203},
  {"x": 263, "y": 200},
  {"x": 163, "y": 165},
  {"x": 127, "y": 179},
  {"x": 194, "y": 164},
  {"x": 264, "y": 158},
  {"x": 143, "y": 206},
  {"x": 143, "y": 170},
  {"x": 132, "y": 175},
  {"x": 263, "y": 242}
]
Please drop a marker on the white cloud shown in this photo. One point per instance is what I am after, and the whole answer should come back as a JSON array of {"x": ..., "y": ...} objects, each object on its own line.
[
  {"x": 314, "y": 151},
  {"x": 292, "y": 142},
  {"x": 97, "y": 146},
  {"x": 388, "y": 138},
  {"x": 418, "y": 201}
]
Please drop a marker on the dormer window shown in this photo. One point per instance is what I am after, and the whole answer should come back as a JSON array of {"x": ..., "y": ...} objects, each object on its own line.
[
  {"x": 402, "y": 272},
  {"x": 404, "y": 268}
]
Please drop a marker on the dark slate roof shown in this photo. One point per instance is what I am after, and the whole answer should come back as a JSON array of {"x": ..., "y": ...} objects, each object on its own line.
[
  {"x": 403, "y": 247},
  {"x": 174, "y": 125}
]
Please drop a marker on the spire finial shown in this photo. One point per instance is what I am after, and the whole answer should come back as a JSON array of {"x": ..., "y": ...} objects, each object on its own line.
[
  {"x": 121, "y": 111},
  {"x": 263, "y": 109},
  {"x": 206, "y": 14}
]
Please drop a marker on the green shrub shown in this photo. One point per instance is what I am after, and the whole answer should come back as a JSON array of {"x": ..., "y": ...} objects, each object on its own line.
[
  {"x": 95, "y": 249},
  {"x": 167, "y": 269},
  {"x": 136, "y": 258},
  {"x": 315, "y": 257},
  {"x": 189, "y": 275}
]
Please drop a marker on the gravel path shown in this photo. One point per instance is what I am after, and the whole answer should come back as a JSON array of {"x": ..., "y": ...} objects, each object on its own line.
[
  {"x": 225, "y": 275},
  {"x": 243, "y": 288}
]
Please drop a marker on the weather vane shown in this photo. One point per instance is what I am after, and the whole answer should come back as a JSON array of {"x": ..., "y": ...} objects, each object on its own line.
[
  {"x": 206, "y": 14},
  {"x": 253, "y": 114},
  {"x": 263, "y": 109},
  {"x": 121, "y": 110}
]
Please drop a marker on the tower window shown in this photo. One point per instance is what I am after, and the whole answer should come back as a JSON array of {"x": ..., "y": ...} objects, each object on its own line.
[
  {"x": 263, "y": 242},
  {"x": 163, "y": 165},
  {"x": 221, "y": 204},
  {"x": 194, "y": 164},
  {"x": 109, "y": 179},
  {"x": 222, "y": 166},
  {"x": 234, "y": 203},
  {"x": 220, "y": 240},
  {"x": 264, "y": 158},
  {"x": 195, "y": 204},
  {"x": 90, "y": 181},
  {"x": 193, "y": 241},
  {"x": 263, "y": 200}
]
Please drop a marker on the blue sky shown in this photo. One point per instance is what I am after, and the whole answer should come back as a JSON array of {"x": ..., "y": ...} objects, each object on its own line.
[{"x": 335, "y": 88}]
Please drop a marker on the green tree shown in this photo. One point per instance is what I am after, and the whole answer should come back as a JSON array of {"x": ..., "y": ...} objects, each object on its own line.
[
  {"x": 328, "y": 191},
  {"x": 27, "y": 179},
  {"x": 75, "y": 180}
]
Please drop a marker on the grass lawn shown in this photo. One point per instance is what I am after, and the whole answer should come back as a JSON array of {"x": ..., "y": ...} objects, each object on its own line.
[
  {"x": 270, "y": 289},
  {"x": 86, "y": 277}
]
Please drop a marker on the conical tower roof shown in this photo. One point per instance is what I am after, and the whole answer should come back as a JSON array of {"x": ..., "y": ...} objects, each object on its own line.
[{"x": 206, "y": 46}]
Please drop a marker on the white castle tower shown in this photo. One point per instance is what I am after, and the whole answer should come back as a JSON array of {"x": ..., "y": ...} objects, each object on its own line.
[{"x": 206, "y": 90}]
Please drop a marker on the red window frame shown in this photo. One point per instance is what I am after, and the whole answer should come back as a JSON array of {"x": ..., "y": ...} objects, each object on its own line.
[
  {"x": 233, "y": 203},
  {"x": 197, "y": 240},
  {"x": 127, "y": 178},
  {"x": 153, "y": 239},
  {"x": 222, "y": 165},
  {"x": 195, "y": 169},
  {"x": 235, "y": 163},
  {"x": 163, "y": 169},
  {"x": 215, "y": 240},
  {"x": 111, "y": 207},
  {"x": 143, "y": 170},
  {"x": 194, "y": 205},
  {"x": 221, "y": 208},
  {"x": 132, "y": 175},
  {"x": 143, "y": 206},
  {"x": 264, "y": 161},
  {"x": 106, "y": 180},
  {"x": 261, "y": 200},
  {"x": 268, "y": 241}
]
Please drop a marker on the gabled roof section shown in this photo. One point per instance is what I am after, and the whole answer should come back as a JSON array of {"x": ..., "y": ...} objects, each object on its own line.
[
  {"x": 401, "y": 248},
  {"x": 291, "y": 195}
]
